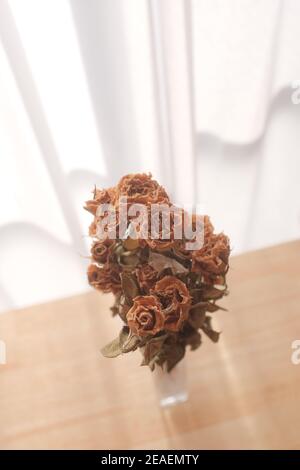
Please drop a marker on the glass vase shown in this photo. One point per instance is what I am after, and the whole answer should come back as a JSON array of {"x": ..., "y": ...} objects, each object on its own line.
[{"x": 171, "y": 387}]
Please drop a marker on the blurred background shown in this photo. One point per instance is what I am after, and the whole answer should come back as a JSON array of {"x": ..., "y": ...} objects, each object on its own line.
[{"x": 203, "y": 94}]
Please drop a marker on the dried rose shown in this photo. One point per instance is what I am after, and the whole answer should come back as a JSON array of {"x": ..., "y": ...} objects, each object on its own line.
[
  {"x": 206, "y": 229},
  {"x": 146, "y": 276},
  {"x": 101, "y": 196},
  {"x": 145, "y": 316},
  {"x": 161, "y": 229},
  {"x": 107, "y": 279},
  {"x": 204, "y": 222},
  {"x": 105, "y": 196},
  {"x": 104, "y": 226},
  {"x": 175, "y": 299},
  {"x": 101, "y": 250},
  {"x": 93, "y": 228},
  {"x": 212, "y": 259},
  {"x": 141, "y": 188},
  {"x": 160, "y": 260}
]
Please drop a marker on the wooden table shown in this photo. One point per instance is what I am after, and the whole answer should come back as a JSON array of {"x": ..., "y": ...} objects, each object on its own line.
[{"x": 57, "y": 391}]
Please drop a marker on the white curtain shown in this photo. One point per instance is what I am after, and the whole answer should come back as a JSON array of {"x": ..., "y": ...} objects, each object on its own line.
[{"x": 196, "y": 91}]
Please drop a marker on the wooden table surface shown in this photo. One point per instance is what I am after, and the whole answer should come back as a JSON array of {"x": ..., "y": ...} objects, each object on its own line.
[{"x": 57, "y": 391}]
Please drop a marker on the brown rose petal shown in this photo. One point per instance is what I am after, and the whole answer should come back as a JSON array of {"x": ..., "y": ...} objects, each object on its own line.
[
  {"x": 107, "y": 279},
  {"x": 145, "y": 316},
  {"x": 161, "y": 238},
  {"x": 212, "y": 259},
  {"x": 179, "y": 248},
  {"x": 141, "y": 188},
  {"x": 175, "y": 299},
  {"x": 93, "y": 228},
  {"x": 146, "y": 276},
  {"x": 104, "y": 196},
  {"x": 91, "y": 206},
  {"x": 101, "y": 250},
  {"x": 101, "y": 196},
  {"x": 208, "y": 226}
]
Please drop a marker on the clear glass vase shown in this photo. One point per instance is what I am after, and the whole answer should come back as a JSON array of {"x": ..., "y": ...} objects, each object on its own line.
[{"x": 171, "y": 387}]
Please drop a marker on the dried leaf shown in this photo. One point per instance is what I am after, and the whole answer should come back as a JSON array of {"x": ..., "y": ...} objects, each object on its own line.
[
  {"x": 114, "y": 310},
  {"x": 128, "y": 341},
  {"x": 152, "y": 349},
  {"x": 116, "y": 306},
  {"x": 124, "y": 343},
  {"x": 209, "y": 331},
  {"x": 129, "y": 260},
  {"x": 212, "y": 307},
  {"x": 193, "y": 339},
  {"x": 131, "y": 244},
  {"x": 161, "y": 262},
  {"x": 118, "y": 250},
  {"x": 130, "y": 287},
  {"x": 200, "y": 305},
  {"x": 112, "y": 349},
  {"x": 208, "y": 307},
  {"x": 197, "y": 317},
  {"x": 174, "y": 355},
  {"x": 123, "y": 310},
  {"x": 213, "y": 293}
]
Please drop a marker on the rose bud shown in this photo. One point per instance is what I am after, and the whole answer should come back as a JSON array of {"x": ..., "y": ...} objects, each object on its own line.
[{"x": 101, "y": 250}]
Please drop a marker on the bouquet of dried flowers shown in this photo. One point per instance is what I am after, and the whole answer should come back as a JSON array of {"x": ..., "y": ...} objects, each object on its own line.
[{"x": 164, "y": 292}]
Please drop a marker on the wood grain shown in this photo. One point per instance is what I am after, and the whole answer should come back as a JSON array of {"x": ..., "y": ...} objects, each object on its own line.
[{"x": 57, "y": 392}]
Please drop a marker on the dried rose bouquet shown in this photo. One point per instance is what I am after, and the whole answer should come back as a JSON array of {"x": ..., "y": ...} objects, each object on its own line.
[{"x": 165, "y": 283}]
